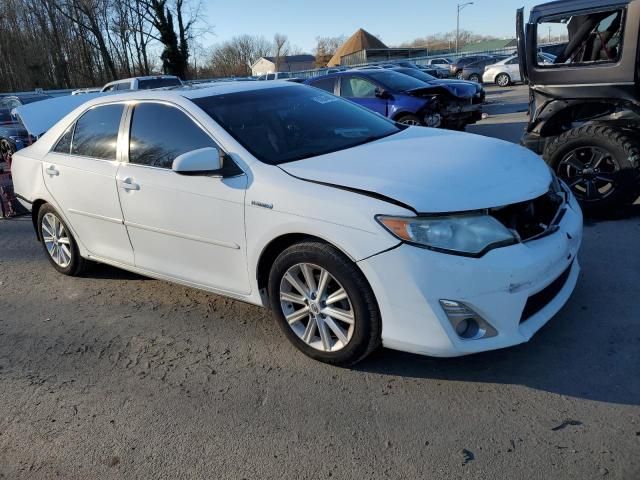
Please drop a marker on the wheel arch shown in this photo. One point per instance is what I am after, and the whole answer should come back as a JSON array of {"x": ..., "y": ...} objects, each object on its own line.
[
  {"x": 278, "y": 245},
  {"x": 35, "y": 210}
]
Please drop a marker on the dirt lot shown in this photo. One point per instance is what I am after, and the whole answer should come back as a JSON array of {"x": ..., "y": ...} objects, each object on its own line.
[{"x": 117, "y": 376}]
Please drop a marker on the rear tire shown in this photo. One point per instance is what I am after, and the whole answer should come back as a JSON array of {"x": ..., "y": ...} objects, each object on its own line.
[
  {"x": 599, "y": 163},
  {"x": 503, "y": 80},
  {"x": 339, "y": 323},
  {"x": 474, "y": 77},
  {"x": 58, "y": 243}
]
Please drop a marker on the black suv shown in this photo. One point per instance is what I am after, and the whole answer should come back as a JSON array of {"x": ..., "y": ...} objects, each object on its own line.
[{"x": 584, "y": 112}]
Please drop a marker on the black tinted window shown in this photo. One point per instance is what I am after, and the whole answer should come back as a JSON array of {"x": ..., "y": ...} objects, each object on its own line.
[
  {"x": 96, "y": 132},
  {"x": 324, "y": 84},
  {"x": 284, "y": 124},
  {"x": 64, "y": 144},
  {"x": 160, "y": 133},
  {"x": 158, "y": 83}
]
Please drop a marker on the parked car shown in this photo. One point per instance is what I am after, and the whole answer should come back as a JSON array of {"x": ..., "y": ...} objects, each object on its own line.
[
  {"x": 285, "y": 196},
  {"x": 507, "y": 71},
  {"x": 475, "y": 71},
  {"x": 83, "y": 91},
  {"x": 460, "y": 103},
  {"x": 455, "y": 68},
  {"x": 439, "y": 61},
  {"x": 402, "y": 98},
  {"x": 584, "y": 111},
  {"x": 143, "y": 83},
  {"x": 9, "y": 102},
  {"x": 275, "y": 76}
]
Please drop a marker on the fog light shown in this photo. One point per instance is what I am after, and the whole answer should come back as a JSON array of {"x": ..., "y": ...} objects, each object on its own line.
[{"x": 467, "y": 324}]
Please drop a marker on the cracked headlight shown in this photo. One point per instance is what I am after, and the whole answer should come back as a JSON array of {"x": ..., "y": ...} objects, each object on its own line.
[{"x": 468, "y": 234}]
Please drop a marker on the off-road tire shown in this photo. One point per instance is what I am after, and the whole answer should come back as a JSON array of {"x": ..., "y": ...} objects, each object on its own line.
[
  {"x": 624, "y": 150},
  {"x": 368, "y": 323}
]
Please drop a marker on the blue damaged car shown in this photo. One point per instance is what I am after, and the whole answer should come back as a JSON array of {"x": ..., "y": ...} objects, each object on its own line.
[{"x": 402, "y": 97}]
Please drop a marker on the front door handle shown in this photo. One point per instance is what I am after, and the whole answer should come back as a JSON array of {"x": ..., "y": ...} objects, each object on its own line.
[
  {"x": 52, "y": 171},
  {"x": 128, "y": 184}
]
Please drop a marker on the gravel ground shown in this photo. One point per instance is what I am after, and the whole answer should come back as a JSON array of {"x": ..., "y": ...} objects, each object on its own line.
[{"x": 117, "y": 376}]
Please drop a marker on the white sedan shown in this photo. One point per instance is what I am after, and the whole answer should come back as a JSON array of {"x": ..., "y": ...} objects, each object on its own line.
[
  {"x": 507, "y": 71},
  {"x": 354, "y": 230}
]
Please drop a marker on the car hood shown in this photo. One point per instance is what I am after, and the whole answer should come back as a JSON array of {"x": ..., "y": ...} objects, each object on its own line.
[
  {"x": 38, "y": 117},
  {"x": 433, "y": 171},
  {"x": 460, "y": 88}
]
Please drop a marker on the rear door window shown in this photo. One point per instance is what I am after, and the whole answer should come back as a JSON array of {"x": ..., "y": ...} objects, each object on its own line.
[
  {"x": 160, "y": 133},
  {"x": 96, "y": 132}
]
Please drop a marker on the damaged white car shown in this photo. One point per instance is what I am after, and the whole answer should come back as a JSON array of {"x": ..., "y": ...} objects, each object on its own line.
[{"x": 356, "y": 231}]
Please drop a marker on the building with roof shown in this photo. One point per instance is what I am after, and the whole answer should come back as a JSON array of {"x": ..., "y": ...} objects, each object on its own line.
[
  {"x": 359, "y": 41},
  {"x": 489, "y": 45},
  {"x": 289, "y": 63}
]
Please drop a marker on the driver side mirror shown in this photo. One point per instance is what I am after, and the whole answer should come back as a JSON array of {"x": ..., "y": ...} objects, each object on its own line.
[
  {"x": 382, "y": 93},
  {"x": 205, "y": 161}
]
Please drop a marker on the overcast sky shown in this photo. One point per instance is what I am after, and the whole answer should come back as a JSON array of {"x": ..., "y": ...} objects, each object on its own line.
[{"x": 395, "y": 21}]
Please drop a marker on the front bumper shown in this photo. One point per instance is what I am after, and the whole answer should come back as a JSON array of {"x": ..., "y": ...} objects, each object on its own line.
[{"x": 409, "y": 283}]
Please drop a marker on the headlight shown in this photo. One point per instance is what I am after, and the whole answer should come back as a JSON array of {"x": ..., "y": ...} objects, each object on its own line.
[{"x": 469, "y": 234}]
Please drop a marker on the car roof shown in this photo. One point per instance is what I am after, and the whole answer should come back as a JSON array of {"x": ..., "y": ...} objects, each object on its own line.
[
  {"x": 192, "y": 91},
  {"x": 561, "y": 6}
]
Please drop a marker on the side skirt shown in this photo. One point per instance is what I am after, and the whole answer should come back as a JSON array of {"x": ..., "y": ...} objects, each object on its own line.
[{"x": 158, "y": 276}]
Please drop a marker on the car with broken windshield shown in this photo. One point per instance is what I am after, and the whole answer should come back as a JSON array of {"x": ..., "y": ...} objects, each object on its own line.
[{"x": 354, "y": 230}]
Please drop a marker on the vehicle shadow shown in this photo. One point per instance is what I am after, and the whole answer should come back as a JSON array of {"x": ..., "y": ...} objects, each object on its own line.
[
  {"x": 541, "y": 365},
  {"x": 107, "y": 272}
]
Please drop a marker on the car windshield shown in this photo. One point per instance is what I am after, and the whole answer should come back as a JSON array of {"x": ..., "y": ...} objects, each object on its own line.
[
  {"x": 395, "y": 81},
  {"x": 284, "y": 124},
  {"x": 419, "y": 74},
  {"x": 158, "y": 83}
]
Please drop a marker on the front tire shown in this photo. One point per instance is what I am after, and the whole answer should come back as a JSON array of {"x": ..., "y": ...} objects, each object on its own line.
[
  {"x": 503, "y": 80},
  {"x": 323, "y": 304},
  {"x": 58, "y": 243},
  {"x": 599, "y": 164},
  {"x": 474, "y": 77},
  {"x": 410, "y": 120}
]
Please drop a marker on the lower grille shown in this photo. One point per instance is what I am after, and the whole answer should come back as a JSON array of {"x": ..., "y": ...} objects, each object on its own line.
[{"x": 537, "y": 302}]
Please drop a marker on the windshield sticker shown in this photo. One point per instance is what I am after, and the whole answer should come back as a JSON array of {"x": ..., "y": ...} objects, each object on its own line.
[{"x": 324, "y": 99}]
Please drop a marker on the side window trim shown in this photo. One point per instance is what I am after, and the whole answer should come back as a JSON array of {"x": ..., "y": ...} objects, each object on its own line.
[{"x": 126, "y": 133}]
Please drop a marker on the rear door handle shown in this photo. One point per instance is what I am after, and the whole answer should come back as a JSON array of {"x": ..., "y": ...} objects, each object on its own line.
[
  {"x": 128, "y": 184},
  {"x": 52, "y": 171}
]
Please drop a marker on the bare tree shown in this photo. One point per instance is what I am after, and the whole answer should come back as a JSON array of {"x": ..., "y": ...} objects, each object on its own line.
[
  {"x": 280, "y": 49},
  {"x": 235, "y": 57},
  {"x": 326, "y": 47}
]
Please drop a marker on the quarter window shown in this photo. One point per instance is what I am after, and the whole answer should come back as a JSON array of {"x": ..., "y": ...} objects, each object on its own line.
[
  {"x": 160, "y": 133},
  {"x": 96, "y": 132},
  {"x": 325, "y": 84},
  {"x": 64, "y": 144}
]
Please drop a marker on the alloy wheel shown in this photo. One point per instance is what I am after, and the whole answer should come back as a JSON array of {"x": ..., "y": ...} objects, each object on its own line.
[
  {"x": 411, "y": 122},
  {"x": 317, "y": 307},
  {"x": 503, "y": 80},
  {"x": 590, "y": 172},
  {"x": 56, "y": 240}
]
